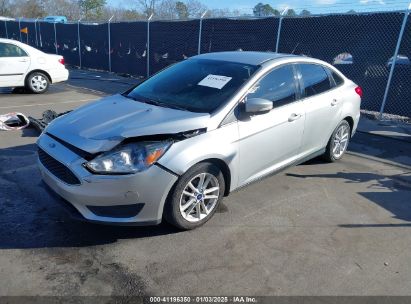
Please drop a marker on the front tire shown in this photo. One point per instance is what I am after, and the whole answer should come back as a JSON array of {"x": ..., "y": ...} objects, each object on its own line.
[
  {"x": 195, "y": 197},
  {"x": 338, "y": 143},
  {"x": 37, "y": 83}
]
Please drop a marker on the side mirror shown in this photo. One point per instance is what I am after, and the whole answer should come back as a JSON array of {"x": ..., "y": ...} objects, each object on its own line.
[{"x": 258, "y": 105}]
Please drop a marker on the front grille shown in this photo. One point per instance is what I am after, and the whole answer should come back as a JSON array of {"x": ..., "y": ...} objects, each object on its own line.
[{"x": 58, "y": 169}]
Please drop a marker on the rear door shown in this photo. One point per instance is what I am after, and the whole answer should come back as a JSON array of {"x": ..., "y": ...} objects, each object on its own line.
[
  {"x": 322, "y": 104},
  {"x": 14, "y": 64}
]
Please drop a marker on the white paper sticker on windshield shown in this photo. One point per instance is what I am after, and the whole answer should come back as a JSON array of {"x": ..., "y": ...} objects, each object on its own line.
[{"x": 215, "y": 81}]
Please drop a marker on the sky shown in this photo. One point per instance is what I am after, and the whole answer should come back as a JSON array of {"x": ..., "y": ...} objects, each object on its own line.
[{"x": 315, "y": 6}]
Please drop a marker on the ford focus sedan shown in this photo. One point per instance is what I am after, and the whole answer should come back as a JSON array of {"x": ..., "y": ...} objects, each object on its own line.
[{"x": 173, "y": 146}]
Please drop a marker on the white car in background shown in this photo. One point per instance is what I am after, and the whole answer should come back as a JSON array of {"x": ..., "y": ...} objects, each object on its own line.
[{"x": 24, "y": 66}]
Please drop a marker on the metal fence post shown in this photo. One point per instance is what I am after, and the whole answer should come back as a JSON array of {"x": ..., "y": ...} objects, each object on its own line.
[
  {"x": 277, "y": 45},
  {"x": 7, "y": 33},
  {"x": 20, "y": 29},
  {"x": 109, "y": 43},
  {"x": 148, "y": 45},
  {"x": 78, "y": 41},
  {"x": 35, "y": 28},
  {"x": 55, "y": 37},
  {"x": 394, "y": 60},
  {"x": 40, "y": 39},
  {"x": 200, "y": 32}
]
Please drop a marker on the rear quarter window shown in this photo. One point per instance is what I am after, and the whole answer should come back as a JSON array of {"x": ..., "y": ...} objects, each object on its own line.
[{"x": 338, "y": 80}]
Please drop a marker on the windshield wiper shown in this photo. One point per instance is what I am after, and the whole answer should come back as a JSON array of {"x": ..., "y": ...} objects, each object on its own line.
[
  {"x": 136, "y": 99},
  {"x": 172, "y": 106},
  {"x": 156, "y": 102},
  {"x": 165, "y": 105}
]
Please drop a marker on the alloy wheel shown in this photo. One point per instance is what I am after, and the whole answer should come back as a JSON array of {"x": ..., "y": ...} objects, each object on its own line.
[
  {"x": 340, "y": 141},
  {"x": 199, "y": 197}
]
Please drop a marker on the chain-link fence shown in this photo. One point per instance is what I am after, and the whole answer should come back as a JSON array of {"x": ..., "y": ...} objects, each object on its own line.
[
  {"x": 399, "y": 94},
  {"x": 128, "y": 48},
  {"x": 358, "y": 45},
  {"x": 242, "y": 35},
  {"x": 363, "y": 46},
  {"x": 171, "y": 42},
  {"x": 67, "y": 42}
]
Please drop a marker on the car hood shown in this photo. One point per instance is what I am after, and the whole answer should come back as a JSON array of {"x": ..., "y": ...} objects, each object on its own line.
[{"x": 101, "y": 125}]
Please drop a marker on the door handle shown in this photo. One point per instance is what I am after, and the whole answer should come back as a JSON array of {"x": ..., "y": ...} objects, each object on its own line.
[
  {"x": 294, "y": 117},
  {"x": 334, "y": 102},
  {"x": 23, "y": 60}
]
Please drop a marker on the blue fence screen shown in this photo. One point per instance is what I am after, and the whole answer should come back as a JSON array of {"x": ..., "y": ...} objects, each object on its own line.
[{"x": 362, "y": 46}]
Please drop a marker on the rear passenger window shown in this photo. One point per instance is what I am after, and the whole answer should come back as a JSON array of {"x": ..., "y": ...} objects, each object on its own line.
[
  {"x": 278, "y": 86},
  {"x": 315, "y": 79},
  {"x": 337, "y": 79}
]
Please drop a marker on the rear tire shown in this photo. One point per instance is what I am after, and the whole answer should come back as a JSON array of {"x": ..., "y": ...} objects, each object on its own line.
[
  {"x": 338, "y": 143},
  {"x": 37, "y": 83},
  {"x": 195, "y": 197}
]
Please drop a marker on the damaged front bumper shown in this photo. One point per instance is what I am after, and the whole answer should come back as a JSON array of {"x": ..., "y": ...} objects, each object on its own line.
[{"x": 118, "y": 199}]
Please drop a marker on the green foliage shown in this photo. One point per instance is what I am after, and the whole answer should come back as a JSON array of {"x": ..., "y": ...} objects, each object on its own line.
[
  {"x": 92, "y": 8},
  {"x": 182, "y": 10},
  {"x": 305, "y": 13},
  {"x": 291, "y": 12},
  {"x": 265, "y": 10}
]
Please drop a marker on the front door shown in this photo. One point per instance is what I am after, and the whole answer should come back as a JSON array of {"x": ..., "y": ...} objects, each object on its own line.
[{"x": 271, "y": 140}]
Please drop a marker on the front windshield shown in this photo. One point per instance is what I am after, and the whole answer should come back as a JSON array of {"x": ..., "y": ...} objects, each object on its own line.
[{"x": 198, "y": 85}]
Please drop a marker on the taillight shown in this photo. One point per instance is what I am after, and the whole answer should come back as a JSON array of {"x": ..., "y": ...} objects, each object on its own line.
[
  {"x": 358, "y": 90},
  {"x": 61, "y": 60}
]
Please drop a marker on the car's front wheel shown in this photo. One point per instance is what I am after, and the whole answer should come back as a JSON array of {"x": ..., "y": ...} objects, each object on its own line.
[
  {"x": 195, "y": 197},
  {"x": 37, "y": 83},
  {"x": 338, "y": 143}
]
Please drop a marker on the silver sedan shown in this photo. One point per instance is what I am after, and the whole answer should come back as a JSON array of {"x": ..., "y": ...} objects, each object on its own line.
[{"x": 173, "y": 146}]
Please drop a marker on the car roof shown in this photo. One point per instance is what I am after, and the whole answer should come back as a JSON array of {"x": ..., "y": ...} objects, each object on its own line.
[
  {"x": 28, "y": 48},
  {"x": 16, "y": 42},
  {"x": 5, "y": 40},
  {"x": 245, "y": 57}
]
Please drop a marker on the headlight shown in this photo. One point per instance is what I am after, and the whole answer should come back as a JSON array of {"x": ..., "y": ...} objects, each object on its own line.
[{"x": 129, "y": 158}]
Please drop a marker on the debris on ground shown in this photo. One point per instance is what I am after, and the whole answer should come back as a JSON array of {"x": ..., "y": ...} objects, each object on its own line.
[
  {"x": 48, "y": 116},
  {"x": 13, "y": 121}
]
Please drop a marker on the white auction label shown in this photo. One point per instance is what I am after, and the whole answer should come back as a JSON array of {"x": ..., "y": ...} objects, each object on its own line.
[{"x": 215, "y": 81}]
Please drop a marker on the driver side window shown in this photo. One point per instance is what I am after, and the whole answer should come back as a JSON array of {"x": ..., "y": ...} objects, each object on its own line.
[{"x": 278, "y": 86}]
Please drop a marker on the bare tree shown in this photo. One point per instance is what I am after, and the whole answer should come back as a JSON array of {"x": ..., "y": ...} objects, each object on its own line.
[
  {"x": 28, "y": 8},
  {"x": 221, "y": 13},
  {"x": 148, "y": 6},
  {"x": 195, "y": 8},
  {"x": 172, "y": 9},
  {"x": 121, "y": 14},
  {"x": 5, "y": 8},
  {"x": 69, "y": 8},
  {"x": 166, "y": 9}
]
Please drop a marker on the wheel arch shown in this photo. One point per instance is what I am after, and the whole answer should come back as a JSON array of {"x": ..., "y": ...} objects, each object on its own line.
[
  {"x": 39, "y": 71},
  {"x": 225, "y": 169},
  {"x": 350, "y": 121}
]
